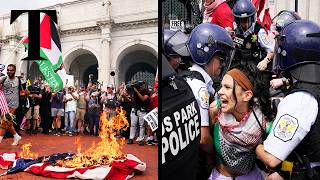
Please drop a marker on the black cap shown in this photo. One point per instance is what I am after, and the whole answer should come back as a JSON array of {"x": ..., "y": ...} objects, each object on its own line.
[{"x": 111, "y": 103}]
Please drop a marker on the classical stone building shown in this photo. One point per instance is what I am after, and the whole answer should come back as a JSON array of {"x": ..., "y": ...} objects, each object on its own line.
[{"x": 97, "y": 37}]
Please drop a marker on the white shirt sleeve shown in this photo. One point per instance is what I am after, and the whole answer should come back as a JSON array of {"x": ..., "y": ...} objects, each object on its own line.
[
  {"x": 266, "y": 42},
  {"x": 297, "y": 112},
  {"x": 201, "y": 94}
]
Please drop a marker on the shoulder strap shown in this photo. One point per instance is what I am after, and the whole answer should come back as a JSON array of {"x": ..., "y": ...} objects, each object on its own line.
[
  {"x": 20, "y": 85},
  {"x": 264, "y": 133},
  {"x": 192, "y": 75}
]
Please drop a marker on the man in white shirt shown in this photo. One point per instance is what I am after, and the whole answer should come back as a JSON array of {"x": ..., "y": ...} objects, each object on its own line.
[{"x": 70, "y": 100}]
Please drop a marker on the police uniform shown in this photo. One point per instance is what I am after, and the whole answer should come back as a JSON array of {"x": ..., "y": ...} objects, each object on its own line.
[
  {"x": 296, "y": 114},
  {"x": 202, "y": 91},
  {"x": 255, "y": 41}
]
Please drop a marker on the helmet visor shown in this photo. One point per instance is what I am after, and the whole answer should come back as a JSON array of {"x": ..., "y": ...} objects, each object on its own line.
[
  {"x": 178, "y": 41},
  {"x": 226, "y": 53}
]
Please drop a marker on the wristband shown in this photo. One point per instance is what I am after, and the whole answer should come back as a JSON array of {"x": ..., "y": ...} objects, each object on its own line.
[{"x": 269, "y": 60}]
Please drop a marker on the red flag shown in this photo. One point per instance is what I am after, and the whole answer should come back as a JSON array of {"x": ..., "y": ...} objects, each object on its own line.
[
  {"x": 262, "y": 7},
  {"x": 259, "y": 4},
  {"x": 267, "y": 19}
]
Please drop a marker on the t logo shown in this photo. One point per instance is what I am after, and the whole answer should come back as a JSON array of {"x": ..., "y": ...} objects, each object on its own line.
[{"x": 33, "y": 30}]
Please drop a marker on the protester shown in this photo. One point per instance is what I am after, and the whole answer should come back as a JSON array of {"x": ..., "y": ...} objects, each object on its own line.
[
  {"x": 33, "y": 115},
  {"x": 218, "y": 12},
  {"x": 70, "y": 100},
  {"x": 141, "y": 99},
  {"x": 45, "y": 109},
  {"x": 240, "y": 116},
  {"x": 57, "y": 111},
  {"x": 93, "y": 114},
  {"x": 10, "y": 89},
  {"x": 81, "y": 110}
]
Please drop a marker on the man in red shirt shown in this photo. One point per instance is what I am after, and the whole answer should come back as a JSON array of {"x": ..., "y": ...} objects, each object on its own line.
[{"x": 218, "y": 12}]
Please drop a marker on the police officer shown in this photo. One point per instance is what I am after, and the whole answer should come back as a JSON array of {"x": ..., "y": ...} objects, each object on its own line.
[
  {"x": 169, "y": 42},
  {"x": 282, "y": 19},
  {"x": 294, "y": 142},
  {"x": 251, "y": 40},
  {"x": 210, "y": 47},
  {"x": 180, "y": 131}
]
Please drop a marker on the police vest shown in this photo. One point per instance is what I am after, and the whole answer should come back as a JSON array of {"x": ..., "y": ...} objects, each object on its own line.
[
  {"x": 310, "y": 145},
  {"x": 180, "y": 130},
  {"x": 249, "y": 49}
]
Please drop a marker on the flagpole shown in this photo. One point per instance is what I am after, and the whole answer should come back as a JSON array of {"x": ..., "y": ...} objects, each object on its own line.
[{"x": 15, "y": 48}]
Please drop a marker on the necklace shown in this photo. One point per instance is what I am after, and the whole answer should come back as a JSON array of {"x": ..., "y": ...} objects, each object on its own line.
[{"x": 228, "y": 128}]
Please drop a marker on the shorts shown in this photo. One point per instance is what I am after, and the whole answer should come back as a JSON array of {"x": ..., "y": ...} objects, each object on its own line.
[
  {"x": 57, "y": 112},
  {"x": 35, "y": 114},
  {"x": 80, "y": 114},
  {"x": 6, "y": 124}
]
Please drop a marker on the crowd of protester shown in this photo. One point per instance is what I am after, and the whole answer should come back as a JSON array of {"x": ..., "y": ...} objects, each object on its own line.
[{"x": 74, "y": 110}]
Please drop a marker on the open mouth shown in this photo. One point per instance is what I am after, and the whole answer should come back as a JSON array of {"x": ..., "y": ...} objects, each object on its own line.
[{"x": 224, "y": 102}]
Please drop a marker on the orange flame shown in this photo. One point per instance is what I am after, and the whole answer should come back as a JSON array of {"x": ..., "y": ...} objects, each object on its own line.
[
  {"x": 26, "y": 153},
  {"x": 108, "y": 149}
]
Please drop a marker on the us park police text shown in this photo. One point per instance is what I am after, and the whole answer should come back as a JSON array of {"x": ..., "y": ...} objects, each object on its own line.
[{"x": 178, "y": 130}]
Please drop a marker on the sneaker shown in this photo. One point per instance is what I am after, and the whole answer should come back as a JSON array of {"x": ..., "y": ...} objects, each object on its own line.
[
  {"x": 150, "y": 142},
  {"x": 138, "y": 139},
  {"x": 141, "y": 143},
  {"x": 130, "y": 141},
  {"x": 16, "y": 141}
]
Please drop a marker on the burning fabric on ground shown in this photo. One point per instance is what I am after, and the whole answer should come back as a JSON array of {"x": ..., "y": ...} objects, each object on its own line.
[{"x": 103, "y": 160}]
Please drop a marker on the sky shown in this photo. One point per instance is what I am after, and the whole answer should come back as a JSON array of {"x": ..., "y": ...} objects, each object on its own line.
[{"x": 7, "y": 5}]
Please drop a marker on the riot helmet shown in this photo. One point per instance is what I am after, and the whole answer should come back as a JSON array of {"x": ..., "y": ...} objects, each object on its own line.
[
  {"x": 172, "y": 39},
  {"x": 244, "y": 14},
  {"x": 297, "y": 51},
  {"x": 205, "y": 41},
  {"x": 283, "y": 18}
]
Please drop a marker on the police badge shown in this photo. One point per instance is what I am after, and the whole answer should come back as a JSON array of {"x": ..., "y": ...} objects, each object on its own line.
[{"x": 254, "y": 38}]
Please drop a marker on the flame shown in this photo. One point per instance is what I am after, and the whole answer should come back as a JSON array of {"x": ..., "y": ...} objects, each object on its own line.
[
  {"x": 26, "y": 152},
  {"x": 108, "y": 149}
]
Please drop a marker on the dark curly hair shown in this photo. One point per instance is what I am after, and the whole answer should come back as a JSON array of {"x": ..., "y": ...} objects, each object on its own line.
[{"x": 261, "y": 95}]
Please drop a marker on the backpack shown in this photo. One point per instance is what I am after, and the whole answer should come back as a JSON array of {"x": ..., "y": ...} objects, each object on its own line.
[{"x": 181, "y": 127}]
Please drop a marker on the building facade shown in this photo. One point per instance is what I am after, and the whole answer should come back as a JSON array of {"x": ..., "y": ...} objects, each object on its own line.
[{"x": 97, "y": 37}]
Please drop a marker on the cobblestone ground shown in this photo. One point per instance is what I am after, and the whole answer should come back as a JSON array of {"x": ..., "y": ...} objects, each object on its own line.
[{"x": 49, "y": 144}]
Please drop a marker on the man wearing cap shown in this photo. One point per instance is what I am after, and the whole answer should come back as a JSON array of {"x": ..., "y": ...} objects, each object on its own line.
[
  {"x": 93, "y": 113},
  {"x": 140, "y": 102},
  {"x": 109, "y": 94}
]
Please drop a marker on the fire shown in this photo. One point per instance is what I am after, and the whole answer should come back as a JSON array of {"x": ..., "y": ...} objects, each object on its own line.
[
  {"x": 108, "y": 149},
  {"x": 26, "y": 152}
]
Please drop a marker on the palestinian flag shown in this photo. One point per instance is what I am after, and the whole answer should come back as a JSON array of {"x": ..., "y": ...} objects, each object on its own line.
[{"x": 50, "y": 49}]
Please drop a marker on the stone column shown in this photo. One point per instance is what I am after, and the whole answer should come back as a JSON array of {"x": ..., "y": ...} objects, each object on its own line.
[
  {"x": 104, "y": 65},
  {"x": 105, "y": 62}
]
